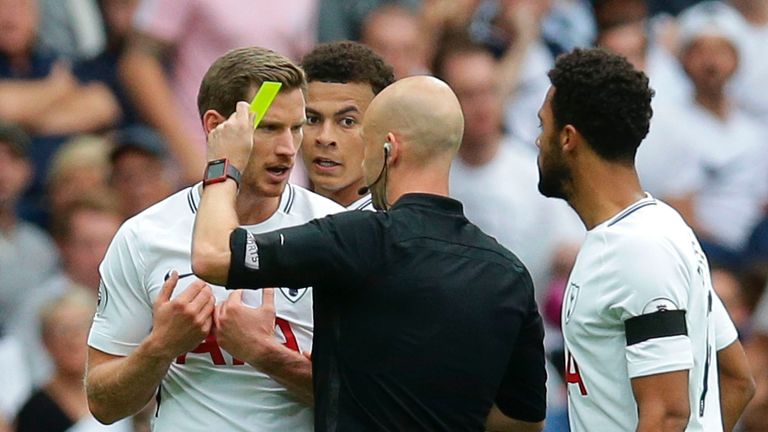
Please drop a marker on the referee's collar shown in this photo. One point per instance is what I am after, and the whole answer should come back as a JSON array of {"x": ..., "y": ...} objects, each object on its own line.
[{"x": 439, "y": 202}]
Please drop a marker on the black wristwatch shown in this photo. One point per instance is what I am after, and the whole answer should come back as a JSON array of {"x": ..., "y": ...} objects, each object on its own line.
[{"x": 220, "y": 170}]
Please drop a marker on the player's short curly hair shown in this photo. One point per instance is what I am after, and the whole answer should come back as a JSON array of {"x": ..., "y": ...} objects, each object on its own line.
[
  {"x": 606, "y": 99},
  {"x": 347, "y": 62}
]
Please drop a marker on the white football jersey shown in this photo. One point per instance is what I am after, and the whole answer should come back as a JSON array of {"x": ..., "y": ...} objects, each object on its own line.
[
  {"x": 364, "y": 203},
  {"x": 623, "y": 318},
  {"x": 206, "y": 388}
]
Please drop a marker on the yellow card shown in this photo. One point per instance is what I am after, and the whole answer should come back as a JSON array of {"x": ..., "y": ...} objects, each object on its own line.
[{"x": 263, "y": 99}]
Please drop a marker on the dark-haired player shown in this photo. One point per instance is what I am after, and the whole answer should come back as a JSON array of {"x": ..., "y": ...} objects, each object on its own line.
[
  {"x": 641, "y": 323},
  {"x": 343, "y": 78}
]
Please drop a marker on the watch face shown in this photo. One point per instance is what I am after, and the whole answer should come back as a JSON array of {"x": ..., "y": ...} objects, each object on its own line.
[{"x": 215, "y": 170}]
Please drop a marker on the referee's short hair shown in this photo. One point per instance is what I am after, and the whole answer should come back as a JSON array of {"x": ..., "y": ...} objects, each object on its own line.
[
  {"x": 347, "y": 62},
  {"x": 233, "y": 76}
]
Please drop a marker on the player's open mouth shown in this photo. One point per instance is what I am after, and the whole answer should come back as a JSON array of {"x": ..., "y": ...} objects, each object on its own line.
[
  {"x": 278, "y": 172},
  {"x": 326, "y": 163}
]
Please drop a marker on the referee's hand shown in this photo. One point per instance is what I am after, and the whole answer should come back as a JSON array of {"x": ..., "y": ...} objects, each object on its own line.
[
  {"x": 181, "y": 323},
  {"x": 233, "y": 138}
]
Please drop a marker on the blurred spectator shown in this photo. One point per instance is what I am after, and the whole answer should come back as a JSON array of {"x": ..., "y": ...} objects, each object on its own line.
[
  {"x": 728, "y": 287},
  {"x": 140, "y": 176},
  {"x": 512, "y": 30},
  {"x": 629, "y": 35},
  {"x": 60, "y": 405},
  {"x": 73, "y": 28},
  {"x": 14, "y": 380},
  {"x": 343, "y": 19},
  {"x": 118, "y": 18},
  {"x": 406, "y": 49},
  {"x": 39, "y": 92},
  {"x": 570, "y": 24},
  {"x": 82, "y": 231},
  {"x": 516, "y": 214},
  {"x": 187, "y": 37},
  {"x": 27, "y": 255},
  {"x": 80, "y": 165},
  {"x": 751, "y": 84},
  {"x": 729, "y": 146}
]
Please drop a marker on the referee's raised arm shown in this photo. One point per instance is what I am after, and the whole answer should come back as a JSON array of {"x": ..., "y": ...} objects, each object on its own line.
[{"x": 229, "y": 147}]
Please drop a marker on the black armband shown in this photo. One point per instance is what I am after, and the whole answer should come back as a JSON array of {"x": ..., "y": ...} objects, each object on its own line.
[{"x": 655, "y": 325}]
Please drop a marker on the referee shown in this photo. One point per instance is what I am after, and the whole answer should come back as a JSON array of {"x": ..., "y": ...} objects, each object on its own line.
[{"x": 422, "y": 321}]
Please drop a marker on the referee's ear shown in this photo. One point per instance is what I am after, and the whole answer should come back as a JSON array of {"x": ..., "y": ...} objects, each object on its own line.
[{"x": 211, "y": 119}]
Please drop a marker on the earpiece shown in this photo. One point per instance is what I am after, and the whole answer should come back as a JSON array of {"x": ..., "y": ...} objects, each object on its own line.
[{"x": 387, "y": 147}]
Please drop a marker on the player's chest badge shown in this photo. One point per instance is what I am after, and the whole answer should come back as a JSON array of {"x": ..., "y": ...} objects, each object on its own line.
[
  {"x": 293, "y": 294},
  {"x": 571, "y": 296}
]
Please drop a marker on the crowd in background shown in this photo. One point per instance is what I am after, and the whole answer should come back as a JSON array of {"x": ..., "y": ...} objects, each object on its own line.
[{"x": 98, "y": 121}]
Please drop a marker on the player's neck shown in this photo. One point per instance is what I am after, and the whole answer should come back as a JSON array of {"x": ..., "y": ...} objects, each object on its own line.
[
  {"x": 346, "y": 195},
  {"x": 251, "y": 208},
  {"x": 602, "y": 190}
]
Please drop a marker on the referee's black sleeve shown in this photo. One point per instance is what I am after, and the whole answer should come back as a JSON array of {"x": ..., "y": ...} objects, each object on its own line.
[
  {"x": 337, "y": 247},
  {"x": 523, "y": 394}
]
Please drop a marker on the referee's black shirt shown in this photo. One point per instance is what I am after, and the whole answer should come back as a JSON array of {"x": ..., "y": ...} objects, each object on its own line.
[{"x": 422, "y": 321}]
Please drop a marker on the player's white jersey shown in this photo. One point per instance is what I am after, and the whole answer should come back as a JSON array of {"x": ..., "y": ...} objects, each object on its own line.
[
  {"x": 206, "y": 388},
  {"x": 364, "y": 203},
  {"x": 623, "y": 318}
]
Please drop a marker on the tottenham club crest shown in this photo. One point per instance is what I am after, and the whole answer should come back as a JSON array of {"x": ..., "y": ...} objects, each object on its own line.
[
  {"x": 293, "y": 294},
  {"x": 571, "y": 296}
]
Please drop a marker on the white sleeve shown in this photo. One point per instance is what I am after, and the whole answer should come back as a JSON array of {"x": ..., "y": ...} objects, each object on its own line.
[
  {"x": 124, "y": 313},
  {"x": 725, "y": 331},
  {"x": 650, "y": 301}
]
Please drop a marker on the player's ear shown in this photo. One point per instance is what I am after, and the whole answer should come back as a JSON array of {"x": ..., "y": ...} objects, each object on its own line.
[
  {"x": 568, "y": 137},
  {"x": 211, "y": 119}
]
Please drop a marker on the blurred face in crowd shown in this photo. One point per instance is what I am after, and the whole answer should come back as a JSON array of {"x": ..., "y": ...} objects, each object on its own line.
[
  {"x": 18, "y": 26},
  {"x": 65, "y": 333},
  {"x": 729, "y": 289},
  {"x": 628, "y": 40},
  {"x": 333, "y": 145},
  {"x": 69, "y": 186},
  {"x": 140, "y": 180},
  {"x": 396, "y": 36},
  {"x": 15, "y": 174},
  {"x": 554, "y": 172},
  {"x": 710, "y": 62},
  {"x": 118, "y": 15},
  {"x": 82, "y": 250},
  {"x": 472, "y": 76},
  {"x": 275, "y": 144}
]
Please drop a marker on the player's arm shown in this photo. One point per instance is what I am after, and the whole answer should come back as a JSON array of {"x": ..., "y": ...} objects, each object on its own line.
[
  {"x": 662, "y": 402},
  {"x": 143, "y": 76},
  {"x": 736, "y": 384},
  {"x": 249, "y": 334},
  {"x": 116, "y": 386}
]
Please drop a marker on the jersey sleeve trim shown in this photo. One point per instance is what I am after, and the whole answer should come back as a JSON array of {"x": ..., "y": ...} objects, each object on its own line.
[
  {"x": 655, "y": 325},
  {"x": 656, "y": 356},
  {"x": 109, "y": 345}
]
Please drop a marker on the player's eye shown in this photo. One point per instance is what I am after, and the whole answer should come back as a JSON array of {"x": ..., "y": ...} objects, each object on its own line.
[
  {"x": 313, "y": 119},
  {"x": 348, "y": 122}
]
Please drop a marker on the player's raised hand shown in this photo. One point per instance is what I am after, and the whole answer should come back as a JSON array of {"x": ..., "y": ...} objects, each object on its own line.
[
  {"x": 246, "y": 332},
  {"x": 233, "y": 138},
  {"x": 180, "y": 324}
]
